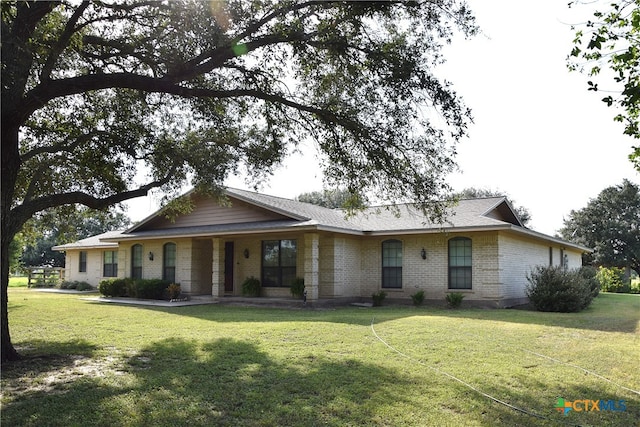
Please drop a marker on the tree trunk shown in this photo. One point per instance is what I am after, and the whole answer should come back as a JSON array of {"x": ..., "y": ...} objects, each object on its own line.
[
  {"x": 8, "y": 352},
  {"x": 10, "y": 166}
]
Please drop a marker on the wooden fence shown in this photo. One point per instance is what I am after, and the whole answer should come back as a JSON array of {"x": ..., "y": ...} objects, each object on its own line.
[{"x": 45, "y": 276}]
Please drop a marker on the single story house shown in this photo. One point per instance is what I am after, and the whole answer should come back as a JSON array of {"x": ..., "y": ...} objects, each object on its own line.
[{"x": 482, "y": 250}]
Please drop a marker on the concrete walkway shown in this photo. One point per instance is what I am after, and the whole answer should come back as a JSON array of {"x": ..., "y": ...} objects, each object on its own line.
[{"x": 201, "y": 300}]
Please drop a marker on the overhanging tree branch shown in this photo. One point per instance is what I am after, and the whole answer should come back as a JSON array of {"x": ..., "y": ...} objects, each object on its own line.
[{"x": 28, "y": 208}]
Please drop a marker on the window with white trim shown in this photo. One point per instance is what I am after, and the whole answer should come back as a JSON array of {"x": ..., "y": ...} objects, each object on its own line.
[{"x": 460, "y": 270}]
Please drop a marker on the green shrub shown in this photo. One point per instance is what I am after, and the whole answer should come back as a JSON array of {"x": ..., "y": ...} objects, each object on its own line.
[
  {"x": 454, "y": 299},
  {"x": 559, "y": 290},
  {"x": 612, "y": 279},
  {"x": 68, "y": 284},
  {"x": 418, "y": 298},
  {"x": 173, "y": 291},
  {"x": 75, "y": 284},
  {"x": 590, "y": 275},
  {"x": 251, "y": 287},
  {"x": 149, "y": 288},
  {"x": 114, "y": 287},
  {"x": 297, "y": 287},
  {"x": 83, "y": 286},
  {"x": 378, "y": 297}
]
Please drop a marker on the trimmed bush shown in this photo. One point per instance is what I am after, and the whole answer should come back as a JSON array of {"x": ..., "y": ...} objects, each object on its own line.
[
  {"x": 151, "y": 288},
  {"x": 83, "y": 286},
  {"x": 418, "y": 298},
  {"x": 378, "y": 297},
  {"x": 251, "y": 287},
  {"x": 141, "y": 288},
  {"x": 75, "y": 284},
  {"x": 297, "y": 287},
  {"x": 454, "y": 299},
  {"x": 559, "y": 290},
  {"x": 114, "y": 287}
]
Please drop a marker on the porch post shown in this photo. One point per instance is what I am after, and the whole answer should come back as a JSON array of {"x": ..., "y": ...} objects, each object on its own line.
[
  {"x": 217, "y": 276},
  {"x": 311, "y": 265}
]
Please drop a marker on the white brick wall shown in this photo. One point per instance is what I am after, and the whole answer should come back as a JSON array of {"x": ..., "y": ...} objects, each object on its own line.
[
  {"x": 519, "y": 254},
  {"x": 347, "y": 266}
]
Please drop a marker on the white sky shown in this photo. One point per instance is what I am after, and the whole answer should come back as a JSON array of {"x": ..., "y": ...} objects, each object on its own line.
[{"x": 538, "y": 135}]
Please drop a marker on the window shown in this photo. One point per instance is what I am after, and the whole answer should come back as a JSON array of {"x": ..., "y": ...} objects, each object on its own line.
[
  {"x": 169, "y": 262},
  {"x": 550, "y": 256},
  {"x": 82, "y": 266},
  {"x": 136, "y": 262},
  {"x": 110, "y": 264},
  {"x": 279, "y": 259},
  {"x": 460, "y": 263},
  {"x": 392, "y": 264}
]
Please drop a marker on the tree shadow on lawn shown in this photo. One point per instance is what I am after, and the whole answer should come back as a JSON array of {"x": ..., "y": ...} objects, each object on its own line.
[
  {"x": 230, "y": 382},
  {"x": 224, "y": 382},
  {"x": 606, "y": 314},
  {"x": 347, "y": 315},
  {"x": 531, "y": 395}
]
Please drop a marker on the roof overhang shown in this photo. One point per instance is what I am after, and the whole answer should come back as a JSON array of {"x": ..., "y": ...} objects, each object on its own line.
[{"x": 106, "y": 245}]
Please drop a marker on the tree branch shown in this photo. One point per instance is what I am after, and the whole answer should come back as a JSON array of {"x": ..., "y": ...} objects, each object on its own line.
[
  {"x": 62, "y": 42},
  {"x": 61, "y": 147},
  {"x": 26, "y": 210}
]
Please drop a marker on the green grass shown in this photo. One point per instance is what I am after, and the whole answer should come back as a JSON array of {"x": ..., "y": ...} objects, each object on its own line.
[
  {"x": 18, "y": 282},
  {"x": 105, "y": 365}
]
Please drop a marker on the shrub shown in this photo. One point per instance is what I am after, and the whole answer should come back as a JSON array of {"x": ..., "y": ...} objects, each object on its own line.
[
  {"x": 612, "y": 279},
  {"x": 454, "y": 299},
  {"x": 75, "y": 284},
  {"x": 297, "y": 287},
  {"x": 590, "y": 275},
  {"x": 418, "y": 298},
  {"x": 83, "y": 286},
  {"x": 558, "y": 289},
  {"x": 114, "y": 287},
  {"x": 68, "y": 284},
  {"x": 378, "y": 297},
  {"x": 173, "y": 291},
  {"x": 251, "y": 287},
  {"x": 149, "y": 288}
]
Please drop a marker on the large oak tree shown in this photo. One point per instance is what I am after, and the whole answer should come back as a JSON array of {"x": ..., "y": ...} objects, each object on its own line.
[
  {"x": 610, "y": 224},
  {"x": 104, "y": 101}
]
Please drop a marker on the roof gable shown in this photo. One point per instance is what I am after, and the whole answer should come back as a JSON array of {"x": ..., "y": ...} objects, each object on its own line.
[
  {"x": 210, "y": 211},
  {"x": 250, "y": 212},
  {"x": 503, "y": 211}
]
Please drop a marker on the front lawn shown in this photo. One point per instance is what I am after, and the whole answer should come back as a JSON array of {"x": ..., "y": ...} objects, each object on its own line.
[{"x": 91, "y": 364}]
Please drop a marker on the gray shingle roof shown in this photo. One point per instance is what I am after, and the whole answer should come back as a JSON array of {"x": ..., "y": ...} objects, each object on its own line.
[
  {"x": 492, "y": 213},
  {"x": 92, "y": 242},
  {"x": 467, "y": 213}
]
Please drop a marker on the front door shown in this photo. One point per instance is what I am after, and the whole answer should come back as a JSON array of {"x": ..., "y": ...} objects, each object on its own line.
[{"x": 228, "y": 267}]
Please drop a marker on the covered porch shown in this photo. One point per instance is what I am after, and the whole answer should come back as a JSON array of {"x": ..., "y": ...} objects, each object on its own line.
[{"x": 217, "y": 266}]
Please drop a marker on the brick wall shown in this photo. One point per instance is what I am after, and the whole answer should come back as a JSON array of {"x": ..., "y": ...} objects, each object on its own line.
[
  {"x": 347, "y": 266},
  {"x": 519, "y": 254},
  {"x": 93, "y": 275}
]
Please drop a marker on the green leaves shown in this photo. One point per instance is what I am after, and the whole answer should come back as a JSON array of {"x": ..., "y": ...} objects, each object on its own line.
[
  {"x": 614, "y": 41},
  {"x": 126, "y": 96},
  {"x": 610, "y": 224}
]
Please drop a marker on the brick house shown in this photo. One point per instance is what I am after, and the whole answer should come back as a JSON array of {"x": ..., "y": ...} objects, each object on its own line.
[{"x": 482, "y": 250}]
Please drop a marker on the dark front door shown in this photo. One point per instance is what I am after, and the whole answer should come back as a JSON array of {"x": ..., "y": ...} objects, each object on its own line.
[{"x": 228, "y": 267}]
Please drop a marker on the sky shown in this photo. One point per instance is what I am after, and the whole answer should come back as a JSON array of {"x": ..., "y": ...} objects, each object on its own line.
[{"x": 538, "y": 134}]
